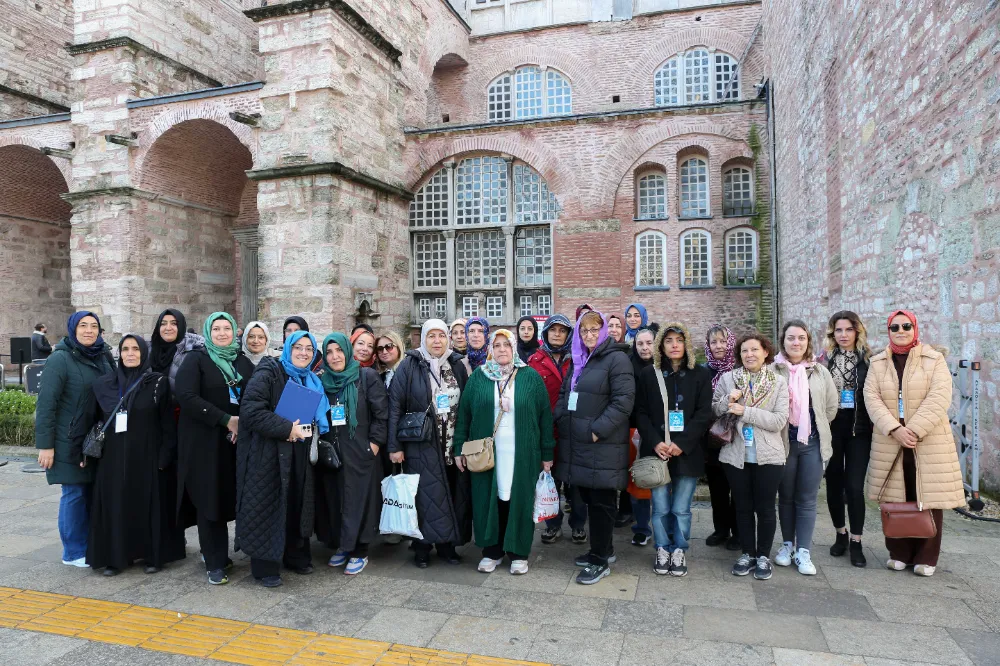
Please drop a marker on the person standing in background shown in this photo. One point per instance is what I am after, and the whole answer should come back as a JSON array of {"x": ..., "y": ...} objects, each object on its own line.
[{"x": 40, "y": 347}]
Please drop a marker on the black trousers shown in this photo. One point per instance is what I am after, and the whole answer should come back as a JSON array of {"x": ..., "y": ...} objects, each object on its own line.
[
  {"x": 755, "y": 488},
  {"x": 723, "y": 507},
  {"x": 845, "y": 475},
  {"x": 213, "y": 535},
  {"x": 297, "y": 556},
  {"x": 496, "y": 551},
  {"x": 602, "y": 506}
]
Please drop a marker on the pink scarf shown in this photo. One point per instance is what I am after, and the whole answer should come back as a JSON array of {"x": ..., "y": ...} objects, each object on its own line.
[{"x": 798, "y": 396}]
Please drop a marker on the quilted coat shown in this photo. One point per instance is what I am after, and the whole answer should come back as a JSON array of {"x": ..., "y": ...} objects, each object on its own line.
[
  {"x": 927, "y": 393},
  {"x": 768, "y": 419},
  {"x": 824, "y": 402}
]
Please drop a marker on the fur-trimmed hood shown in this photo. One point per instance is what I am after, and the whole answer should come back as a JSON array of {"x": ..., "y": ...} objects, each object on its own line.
[{"x": 688, "y": 345}]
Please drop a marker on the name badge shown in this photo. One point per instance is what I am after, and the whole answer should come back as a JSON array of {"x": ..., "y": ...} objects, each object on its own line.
[
  {"x": 747, "y": 435},
  {"x": 441, "y": 403},
  {"x": 676, "y": 417},
  {"x": 901, "y": 415},
  {"x": 847, "y": 399},
  {"x": 573, "y": 397},
  {"x": 338, "y": 415},
  {"x": 233, "y": 400},
  {"x": 121, "y": 421}
]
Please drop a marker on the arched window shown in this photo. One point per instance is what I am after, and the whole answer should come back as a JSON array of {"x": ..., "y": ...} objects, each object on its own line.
[
  {"x": 651, "y": 197},
  {"x": 651, "y": 259},
  {"x": 741, "y": 256},
  {"x": 696, "y": 258},
  {"x": 694, "y": 188},
  {"x": 528, "y": 92},
  {"x": 737, "y": 192},
  {"x": 696, "y": 76}
]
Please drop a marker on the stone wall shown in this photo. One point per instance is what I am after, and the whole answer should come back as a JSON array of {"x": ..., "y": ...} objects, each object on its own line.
[
  {"x": 33, "y": 61},
  {"x": 888, "y": 171}
]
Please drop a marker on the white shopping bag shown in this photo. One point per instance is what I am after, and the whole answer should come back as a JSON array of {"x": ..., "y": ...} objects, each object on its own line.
[
  {"x": 399, "y": 507},
  {"x": 546, "y": 498}
]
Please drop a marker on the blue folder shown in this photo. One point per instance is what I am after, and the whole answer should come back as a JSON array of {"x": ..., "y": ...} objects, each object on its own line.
[{"x": 298, "y": 403}]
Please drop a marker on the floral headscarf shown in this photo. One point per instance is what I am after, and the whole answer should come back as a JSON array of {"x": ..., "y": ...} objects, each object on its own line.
[
  {"x": 726, "y": 364},
  {"x": 494, "y": 370}
]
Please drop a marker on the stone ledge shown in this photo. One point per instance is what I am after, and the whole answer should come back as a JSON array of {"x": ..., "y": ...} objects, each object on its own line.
[
  {"x": 116, "y": 42},
  {"x": 128, "y": 191},
  {"x": 341, "y": 8},
  {"x": 334, "y": 169},
  {"x": 34, "y": 99}
]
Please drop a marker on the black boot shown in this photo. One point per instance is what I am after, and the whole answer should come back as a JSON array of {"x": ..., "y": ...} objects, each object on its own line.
[
  {"x": 857, "y": 554},
  {"x": 840, "y": 546},
  {"x": 716, "y": 538}
]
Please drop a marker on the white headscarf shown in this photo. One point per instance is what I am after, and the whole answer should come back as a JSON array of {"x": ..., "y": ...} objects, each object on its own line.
[
  {"x": 434, "y": 361},
  {"x": 255, "y": 358}
]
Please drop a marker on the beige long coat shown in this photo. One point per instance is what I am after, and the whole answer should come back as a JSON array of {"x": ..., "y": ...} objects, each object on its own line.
[{"x": 926, "y": 397}]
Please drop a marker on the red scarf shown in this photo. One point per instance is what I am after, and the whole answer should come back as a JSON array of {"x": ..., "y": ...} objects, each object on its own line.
[{"x": 916, "y": 332}]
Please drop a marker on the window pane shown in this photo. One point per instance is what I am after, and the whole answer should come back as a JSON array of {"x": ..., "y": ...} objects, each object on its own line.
[
  {"x": 481, "y": 191},
  {"x": 696, "y": 249},
  {"x": 666, "y": 83},
  {"x": 697, "y": 77},
  {"x": 725, "y": 69},
  {"x": 429, "y": 207},
  {"x": 498, "y": 99},
  {"x": 544, "y": 305},
  {"x": 470, "y": 306},
  {"x": 532, "y": 200},
  {"x": 737, "y": 192},
  {"x": 652, "y": 197},
  {"x": 424, "y": 307},
  {"x": 528, "y": 92},
  {"x": 650, "y": 255},
  {"x": 494, "y": 307},
  {"x": 441, "y": 308},
  {"x": 533, "y": 257},
  {"x": 429, "y": 259},
  {"x": 558, "y": 96},
  {"x": 525, "y": 306},
  {"x": 741, "y": 257},
  {"x": 694, "y": 188},
  {"x": 480, "y": 259}
]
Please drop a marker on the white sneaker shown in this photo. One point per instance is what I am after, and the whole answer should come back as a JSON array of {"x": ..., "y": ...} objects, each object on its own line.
[
  {"x": 804, "y": 562},
  {"x": 895, "y": 565},
  {"x": 518, "y": 567},
  {"x": 82, "y": 563},
  {"x": 784, "y": 556},
  {"x": 924, "y": 570},
  {"x": 487, "y": 565}
]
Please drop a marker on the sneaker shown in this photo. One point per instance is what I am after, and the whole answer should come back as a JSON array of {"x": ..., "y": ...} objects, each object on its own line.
[
  {"x": 551, "y": 534},
  {"x": 895, "y": 565},
  {"x": 584, "y": 560},
  {"x": 661, "y": 563},
  {"x": 678, "y": 563},
  {"x": 355, "y": 565},
  {"x": 733, "y": 543},
  {"x": 152, "y": 569},
  {"x": 270, "y": 581},
  {"x": 302, "y": 571},
  {"x": 111, "y": 571},
  {"x": 716, "y": 539},
  {"x": 488, "y": 565},
  {"x": 81, "y": 562},
  {"x": 218, "y": 577},
  {"x": 623, "y": 519},
  {"x": 338, "y": 559},
  {"x": 518, "y": 567},
  {"x": 579, "y": 536},
  {"x": 763, "y": 570},
  {"x": 743, "y": 565},
  {"x": 784, "y": 556},
  {"x": 639, "y": 539},
  {"x": 593, "y": 573},
  {"x": 803, "y": 560},
  {"x": 924, "y": 570}
]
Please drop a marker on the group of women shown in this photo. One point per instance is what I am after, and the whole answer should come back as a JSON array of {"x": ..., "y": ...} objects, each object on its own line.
[{"x": 195, "y": 433}]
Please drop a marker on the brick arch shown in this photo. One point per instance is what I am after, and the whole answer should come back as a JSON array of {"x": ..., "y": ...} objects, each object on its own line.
[
  {"x": 579, "y": 72},
  {"x": 30, "y": 185},
  {"x": 734, "y": 156},
  {"x": 65, "y": 166},
  {"x": 719, "y": 39},
  {"x": 171, "y": 117}
]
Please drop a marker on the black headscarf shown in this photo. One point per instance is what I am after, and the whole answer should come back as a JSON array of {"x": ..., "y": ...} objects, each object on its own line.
[
  {"x": 110, "y": 388},
  {"x": 303, "y": 325},
  {"x": 162, "y": 353},
  {"x": 526, "y": 349}
]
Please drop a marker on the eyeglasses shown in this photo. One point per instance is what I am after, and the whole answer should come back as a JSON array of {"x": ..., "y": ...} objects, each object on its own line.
[
  {"x": 590, "y": 331},
  {"x": 387, "y": 347},
  {"x": 906, "y": 327},
  {"x": 300, "y": 348}
]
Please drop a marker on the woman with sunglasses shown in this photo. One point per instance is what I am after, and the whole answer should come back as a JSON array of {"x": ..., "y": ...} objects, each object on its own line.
[
  {"x": 908, "y": 392},
  {"x": 388, "y": 355}
]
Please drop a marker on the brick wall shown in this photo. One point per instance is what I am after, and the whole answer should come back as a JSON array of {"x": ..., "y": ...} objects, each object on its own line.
[
  {"x": 887, "y": 184},
  {"x": 32, "y": 57}
]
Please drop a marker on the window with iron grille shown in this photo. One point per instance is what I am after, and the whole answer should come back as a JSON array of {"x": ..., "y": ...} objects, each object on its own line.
[
  {"x": 696, "y": 258},
  {"x": 470, "y": 306},
  {"x": 533, "y": 256},
  {"x": 526, "y": 306},
  {"x": 666, "y": 83},
  {"x": 651, "y": 259},
  {"x": 558, "y": 94},
  {"x": 480, "y": 258},
  {"x": 481, "y": 191},
  {"x": 694, "y": 188},
  {"x": 694, "y": 77},
  {"x": 652, "y": 197},
  {"x": 533, "y": 202},
  {"x": 544, "y": 305},
  {"x": 727, "y": 80},
  {"x": 741, "y": 257},
  {"x": 429, "y": 258},
  {"x": 429, "y": 207},
  {"x": 737, "y": 192},
  {"x": 441, "y": 308},
  {"x": 424, "y": 308},
  {"x": 494, "y": 307},
  {"x": 527, "y": 92},
  {"x": 498, "y": 100}
]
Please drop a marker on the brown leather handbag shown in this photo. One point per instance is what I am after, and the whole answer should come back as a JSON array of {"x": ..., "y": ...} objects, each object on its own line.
[
  {"x": 905, "y": 520},
  {"x": 722, "y": 431}
]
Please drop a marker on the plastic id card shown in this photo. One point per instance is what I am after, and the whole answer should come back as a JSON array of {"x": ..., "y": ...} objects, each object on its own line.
[
  {"x": 338, "y": 415},
  {"x": 747, "y": 435},
  {"x": 847, "y": 399},
  {"x": 441, "y": 403},
  {"x": 676, "y": 417}
]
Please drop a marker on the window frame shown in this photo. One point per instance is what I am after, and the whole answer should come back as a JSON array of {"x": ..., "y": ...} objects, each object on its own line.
[
  {"x": 727, "y": 207},
  {"x": 662, "y": 237},
  {"x": 687, "y": 233},
  {"x": 641, "y": 176},
  {"x": 670, "y": 78},
  {"x": 502, "y": 94},
  {"x": 681, "y": 215},
  {"x": 755, "y": 247}
]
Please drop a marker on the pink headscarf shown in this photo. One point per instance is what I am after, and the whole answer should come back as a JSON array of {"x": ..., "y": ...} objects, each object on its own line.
[{"x": 580, "y": 353}]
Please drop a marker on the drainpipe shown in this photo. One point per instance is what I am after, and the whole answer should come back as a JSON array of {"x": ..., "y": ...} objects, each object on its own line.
[{"x": 772, "y": 141}]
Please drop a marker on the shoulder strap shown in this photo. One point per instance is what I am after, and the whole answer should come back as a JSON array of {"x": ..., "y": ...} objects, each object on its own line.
[
  {"x": 666, "y": 404},
  {"x": 496, "y": 425},
  {"x": 899, "y": 455}
]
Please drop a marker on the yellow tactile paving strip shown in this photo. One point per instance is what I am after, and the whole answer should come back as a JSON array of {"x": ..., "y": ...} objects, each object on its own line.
[{"x": 211, "y": 637}]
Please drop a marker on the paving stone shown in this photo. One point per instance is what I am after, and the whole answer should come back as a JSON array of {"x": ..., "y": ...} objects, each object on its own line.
[
  {"x": 406, "y": 626},
  {"x": 987, "y": 588},
  {"x": 969, "y": 545},
  {"x": 788, "y": 657},
  {"x": 541, "y": 608},
  {"x": 653, "y": 617},
  {"x": 891, "y": 641},
  {"x": 16, "y": 545},
  {"x": 898, "y": 582},
  {"x": 553, "y": 581},
  {"x": 107, "y": 654},
  {"x": 638, "y": 648},
  {"x": 988, "y": 612},
  {"x": 982, "y": 648},
  {"x": 232, "y": 601},
  {"x": 440, "y": 572},
  {"x": 14, "y": 564},
  {"x": 735, "y": 595},
  {"x": 51, "y": 551},
  {"x": 98, "y": 586},
  {"x": 935, "y": 611},
  {"x": 808, "y": 601},
  {"x": 616, "y": 586},
  {"x": 753, "y": 628},
  {"x": 44, "y": 577},
  {"x": 491, "y": 637},
  {"x": 322, "y": 614},
  {"x": 158, "y": 591},
  {"x": 30, "y": 648},
  {"x": 875, "y": 661},
  {"x": 455, "y": 599},
  {"x": 576, "y": 647},
  {"x": 378, "y": 590}
]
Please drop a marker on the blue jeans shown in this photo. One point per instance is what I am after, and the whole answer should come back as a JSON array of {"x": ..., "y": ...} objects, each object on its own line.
[
  {"x": 74, "y": 519},
  {"x": 577, "y": 511},
  {"x": 641, "y": 509},
  {"x": 799, "y": 487},
  {"x": 672, "y": 512}
]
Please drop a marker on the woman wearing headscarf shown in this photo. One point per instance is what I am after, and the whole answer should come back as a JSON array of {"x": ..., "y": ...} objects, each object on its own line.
[
  {"x": 210, "y": 384},
  {"x": 503, "y": 498},
  {"x": 256, "y": 342},
  {"x": 581, "y": 310},
  {"x": 477, "y": 333},
  {"x": 458, "y": 342},
  {"x": 292, "y": 324},
  {"x": 430, "y": 380},
  {"x": 77, "y": 360},
  {"x": 635, "y": 319},
  {"x": 720, "y": 352},
  {"x": 275, "y": 510},
  {"x": 170, "y": 343},
  {"x": 363, "y": 341},
  {"x": 349, "y": 500},
  {"x": 388, "y": 355},
  {"x": 637, "y": 501},
  {"x": 908, "y": 392},
  {"x": 132, "y": 513},
  {"x": 592, "y": 414},
  {"x": 616, "y": 328},
  {"x": 527, "y": 337}
]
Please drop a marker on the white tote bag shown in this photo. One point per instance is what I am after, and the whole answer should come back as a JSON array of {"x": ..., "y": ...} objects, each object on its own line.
[{"x": 399, "y": 507}]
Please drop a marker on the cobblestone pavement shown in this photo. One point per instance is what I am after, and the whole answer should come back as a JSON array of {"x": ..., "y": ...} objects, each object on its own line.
[{"x": 843, "y": 615}]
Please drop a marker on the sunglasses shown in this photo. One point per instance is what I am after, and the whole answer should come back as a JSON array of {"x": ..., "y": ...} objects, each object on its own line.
[
  {"x": 382, "y": 348},
  {"x": 895, "y": 327}
]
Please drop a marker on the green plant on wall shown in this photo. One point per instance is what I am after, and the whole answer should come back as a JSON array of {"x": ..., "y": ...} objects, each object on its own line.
[{"x": 760, "y": 223}]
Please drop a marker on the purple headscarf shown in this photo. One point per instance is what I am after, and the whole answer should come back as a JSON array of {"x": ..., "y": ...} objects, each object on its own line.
[{"x": 580, "y": 353}]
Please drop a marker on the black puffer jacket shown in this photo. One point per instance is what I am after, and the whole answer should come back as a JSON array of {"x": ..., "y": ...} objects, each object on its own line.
[
  {"x": 264, "y": 468},
  {"x": 606, "y": 391},
  {"x": 444, "y": 507}
]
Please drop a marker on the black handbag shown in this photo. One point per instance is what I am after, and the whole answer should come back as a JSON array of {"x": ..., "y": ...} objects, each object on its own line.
[
  {"x": 415, "y": 427},
  {"x": 329, "y": 453},
  {"x": 93, "y": 443}
]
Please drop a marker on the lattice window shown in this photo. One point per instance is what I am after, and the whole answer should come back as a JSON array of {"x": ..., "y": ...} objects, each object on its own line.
[
  {"x": 694, "y": 188},
  {"x": 424, "y": 308},
  {"x": 544, "y": 305},
  {"x": 480, "y": 258},
  {"x": 481, "y": 191},
  {"x": 429, "y": 252},
  {"x": 652, "y": 197},
  {"x": 737, "y": 192},
  {"x": 651, "y": 259},
  {"x": 498, "y": 100},
  {"x": 725, "y": 69},
  {"x": 429, "y": 207},
  {"x": 441, "y": 307},
  {"x": 533, "y": 257},
  {"x": 696, "y": 258},
  {"x": 697, "y": 77},
  {"x": 470, "y": 306},
  {"x": 741, "y": 257},
  {"x": 558, "y": 94},
  {"x": 526, "y": 306},
  {"x": 528, "y": 92},
  {"x": 494, "y": 307},
  {"x": 666, "y": 83},
  {"x": 533, "y": 202}
]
